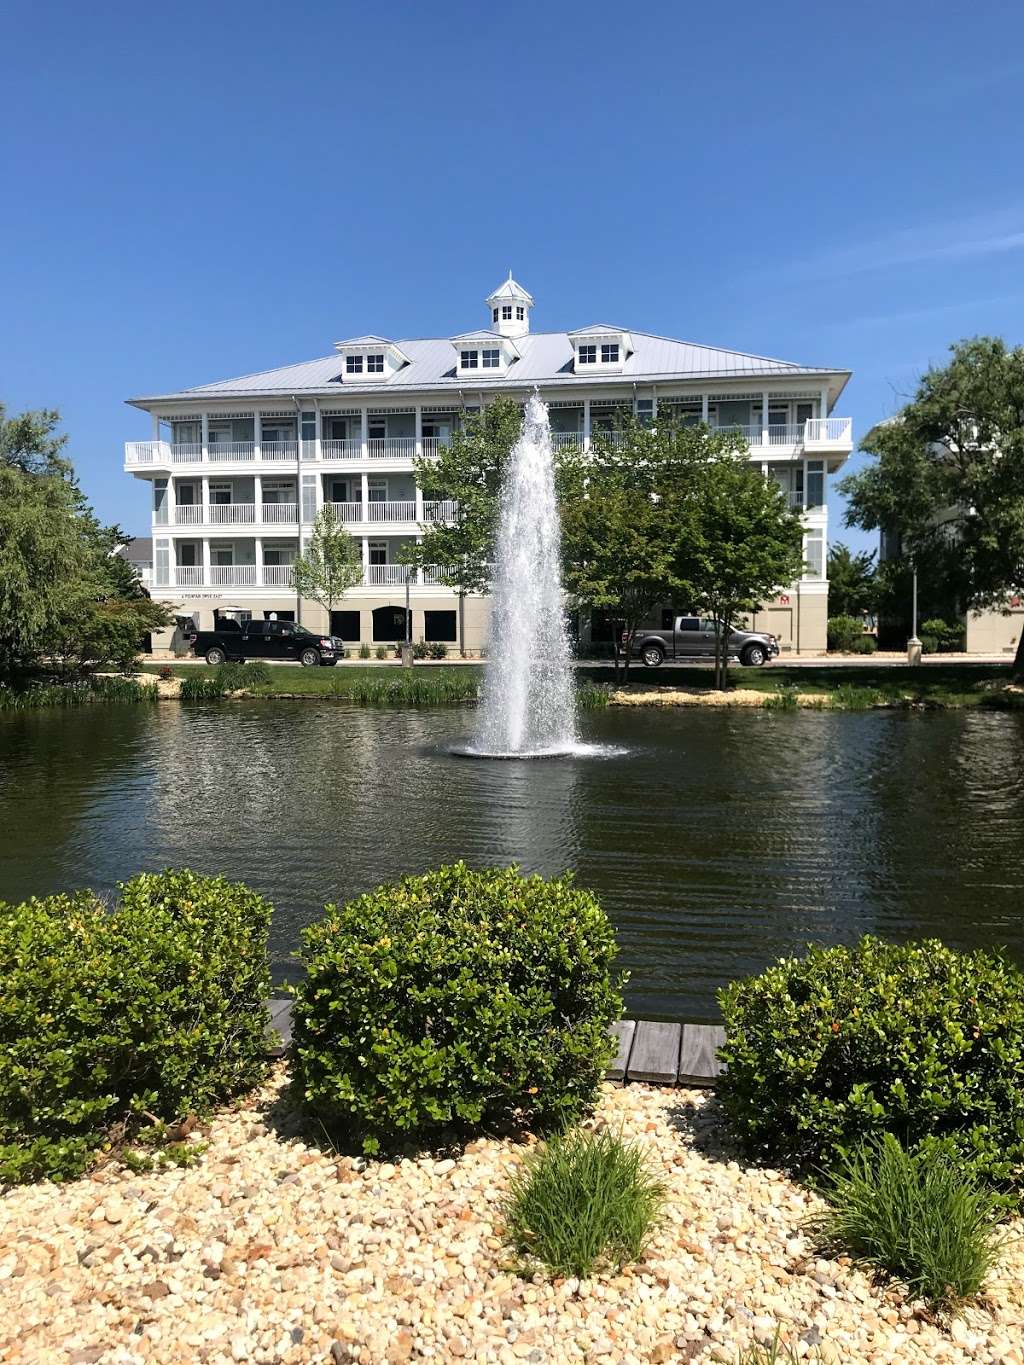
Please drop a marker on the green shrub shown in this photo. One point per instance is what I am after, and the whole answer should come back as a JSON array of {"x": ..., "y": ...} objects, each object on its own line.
[
  {"x": 948, "y": 638},
  {"x": 401, "y": 687},
  {"x": 845, "y": 1044},
  {"x": 239, "y": 677},
  {"x": 592, "y": 696},
  {"x": 364, "y": 650},
  {"x": 916, "y": 1215},
  {"x": 580, "y": 1201},
  {"x": 35, "y": 696},
  {"x": 437, "y": 649},
  {"x": 785, "y": 699},
  {"x": 864, "y": 644},
  {"x": 196, "y": 686},
  {"x": 419, "y": 649},
  {"x": 850, "y": 697},
  {"x": 455, "y": 1001},
  {"x": 114, "y": 1017},
  {"x": 843, "y": 632},
  {"x": 381, "y": 652},
  {"x": 929, "y": 643}
]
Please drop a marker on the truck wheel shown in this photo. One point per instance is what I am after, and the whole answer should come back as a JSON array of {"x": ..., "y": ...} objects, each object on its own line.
[
  {"x": 653, "y": 656},
  {"x": 215, "y": 655},
  {"x": 309, "y": 658},
  {"x": 753, "y": 656}
]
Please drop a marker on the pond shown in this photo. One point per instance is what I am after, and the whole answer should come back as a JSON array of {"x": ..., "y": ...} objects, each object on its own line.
[{"x": 716, "y": 841}]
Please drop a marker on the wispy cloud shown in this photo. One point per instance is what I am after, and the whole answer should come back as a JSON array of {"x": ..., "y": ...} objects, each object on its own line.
[
  {"x": 868, "y": 320},
  {"x": 930, "y": 243}
]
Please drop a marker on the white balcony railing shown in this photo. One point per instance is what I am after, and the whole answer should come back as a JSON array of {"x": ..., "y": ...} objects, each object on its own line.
[
  {"x": 444, "y": 510},
  {"x": 390, "y": 511},
  {"x": 147, "y": 452},
  {"x": 828, "y": 431},
  {"x": 278, "y": 512},
  {"x": 187, "y": 453},
  {"x": 233, "y": 575},
  {"x": 567, "y": 440},
  {"x": 232, "y": 450},
  {"x": 391, "y": 574},
  {"x": 432, "y": 577},
  {"x": 232, "y": 513},
  {"x": 392, "y": 447},
  {"x": 279, "y": 450},
  {"x": 189, "y": 575},
  {"x": 341, "y": 450},
  {"x": 346, "y": 511},
  {"x": 430, "y": 445},
  {"x": 277, "y": 575},
  {"x": 188, "y": 514}
]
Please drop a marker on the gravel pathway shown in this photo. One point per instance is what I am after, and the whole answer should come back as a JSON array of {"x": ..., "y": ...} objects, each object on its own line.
[{"x": 272, "y": 1250}]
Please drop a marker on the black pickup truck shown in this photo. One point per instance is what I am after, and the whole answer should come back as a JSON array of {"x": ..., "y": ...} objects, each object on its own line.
[{"x": 243, "y": 640}]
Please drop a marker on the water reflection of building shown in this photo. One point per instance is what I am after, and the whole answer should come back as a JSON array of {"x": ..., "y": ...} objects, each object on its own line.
[{"x": 239, "y": 469}]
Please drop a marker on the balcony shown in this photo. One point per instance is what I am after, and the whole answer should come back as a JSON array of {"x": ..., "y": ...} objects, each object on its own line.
[
  {"x": 281, "y": 576},
  {"x": 277, "y": 575},
  {"x": 281, "y": 513},
  {"x": 221, "y": 452},
  {"x": 232, "y": 513},
  {"x": 828, "y": 433},
  {"x": 443, "y": 510},
  {"x": 233, "y": 575},
  {"x": 391, "y": 575}
]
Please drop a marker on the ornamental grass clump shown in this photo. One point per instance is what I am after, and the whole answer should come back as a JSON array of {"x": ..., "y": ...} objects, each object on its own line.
[
  {"x": 452, "y": 1003},
  {"x": 117, "y": 1019},
  {"x": 849, "y": 1043},
  {"x": 583, "y": 1201},
  {"x": 917, "y": 1215}
]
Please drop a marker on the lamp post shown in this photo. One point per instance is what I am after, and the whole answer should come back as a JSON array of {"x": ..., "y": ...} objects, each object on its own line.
[
  {"x": 913, "y": 644},
  {"x": 407, "y": 646}
]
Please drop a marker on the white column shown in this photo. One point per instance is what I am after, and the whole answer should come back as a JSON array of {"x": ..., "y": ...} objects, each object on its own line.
[
  {"x": 824, "y": 402},
  {"x": 366, "y": 560},
  {"x": 586, "y": 424},
  {"x": 419, "y": 572},
  {"x": 206, "y": 499},
  {"x": 764, "y": 417},
  {"x": 364, "y": 433},
  {"x": 419, "y": 431},
  {"x": 654, "y": 406},
  {"x": 319, "y": 428},
  {"x": 257, "y": 495},
  {"x": 259, "y": 560},
  {"x": 206, "y": 560},
  {"x": 156, "y": 427},
  {"x": 206, "y": 435},
  {"x": 171, "y": 501},
  {"x": 364, "y": 493},
  {"x": 257, "y": 433},
  {"x": 419, "y": 503},
  {"x": 704, "y": 408}
]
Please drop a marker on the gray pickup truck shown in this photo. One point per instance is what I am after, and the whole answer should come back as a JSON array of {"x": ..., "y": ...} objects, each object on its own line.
[{"x": 693, "y": 637}]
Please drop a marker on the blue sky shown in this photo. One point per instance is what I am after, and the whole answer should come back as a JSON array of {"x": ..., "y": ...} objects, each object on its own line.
[{"x": 196, "y": 191}]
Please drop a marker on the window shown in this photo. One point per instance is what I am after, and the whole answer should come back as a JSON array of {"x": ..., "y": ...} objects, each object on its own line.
[
  {"x": 645, "y": 411},
  {"x": 309, "y": 426},
  {"x": 439, "y": 625},
  {"x": 491, "y": 359},
  {"x": 222, "y": 554},
  {"x": 353, "y": 364},
  {"x": 494, "y": 315},
  {"x": 688, "y": 623},
  {"x": 610, "y": 353},
  {"x": 375, "y": 364},
  {"x": 220, "y": 494},
  {"x": 339, "y": 490},
  {"x": 377, "y": 429},
  {"x": 345, "y": 624},
  {"x": 815, "y": 483},
  {"x": 187, "y": 556},
  {"x": 520, "y": 312},
  {"x": 377, "y": 490},
  {"x": 586, "y": 355},
  {"x": 814, "y": 554},
  {"x": 469, "y": 360},
  {"x": 506, "y": 312},
  {"x": 378, "y": 551}
]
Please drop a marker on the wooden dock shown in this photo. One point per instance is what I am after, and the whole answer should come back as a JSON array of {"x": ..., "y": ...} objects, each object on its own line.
[{"x": 660, "y": 1054}]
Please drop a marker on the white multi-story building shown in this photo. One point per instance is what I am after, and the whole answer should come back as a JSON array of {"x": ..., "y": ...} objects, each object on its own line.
[{"x": 239, "y": 469}]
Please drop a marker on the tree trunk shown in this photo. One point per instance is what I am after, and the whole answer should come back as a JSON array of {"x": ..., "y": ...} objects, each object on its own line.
[
  {"x": 726, "y": 631},
  {"x": 1017, "y": 668}
]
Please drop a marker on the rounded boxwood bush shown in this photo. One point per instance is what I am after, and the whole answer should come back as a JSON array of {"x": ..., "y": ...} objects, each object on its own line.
[
  {"x": 113, "y": 1016},
  {"x": 845, "y": 1044},
  {"x": 455, "y": 1001}
]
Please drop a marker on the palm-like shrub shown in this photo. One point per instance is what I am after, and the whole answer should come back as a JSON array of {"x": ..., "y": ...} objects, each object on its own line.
[
  {"x": 846, "y": 1044},
  {"x": 455, "y": 1001}
]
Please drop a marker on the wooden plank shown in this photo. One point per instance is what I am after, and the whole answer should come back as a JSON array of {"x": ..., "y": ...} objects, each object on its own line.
[
  {"x": 655, "y": 1055},
  {"x": 622, "y": 1032},
  {"x": 281, "y": 1021},
  {"x": 698, "y": 1064}
]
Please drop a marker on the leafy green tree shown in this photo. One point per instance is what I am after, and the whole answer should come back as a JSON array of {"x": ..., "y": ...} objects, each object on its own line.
[
  {"x": 64, "y": 600},
  {"x": 331, "y": 564},
  {"x": 852, "y": 585},
  {"x": 468, "y": 472},
  {"x": 745, "y": 544},
  {"x": 947, "y": 482}
]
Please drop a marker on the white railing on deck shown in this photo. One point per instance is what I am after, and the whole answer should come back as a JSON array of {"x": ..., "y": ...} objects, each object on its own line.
[
  {"x": 431, "y": 445},
  {"x": 237, "y": 575},
  {"x": 444, "y": 510},
  {"x": 341, "y": 450},
  {"x": 785, "y": 433},
  {"x": 393, "y": 574},
  {"x": 188, "y": 514},
  {"x": 232, "y": 450},
  {"x": 346, "y": 511},
  {"x": 281, "y": 512},
  {"x": 432, "y": 577},
  {"x": 146, "y": 452},
  {"x": 392, "y": 447},
  {"x": 222, "y": 513},
  {"x": 279, "y": 450},
  {"x": 189, "y": 575},
  {"x": 390, "y": 511},
  {"x": 277, "y": 575},
  {"x": 832, "y": 429},
  {"x": 567, "y": 440},
  {"x": 187, "y": 452}
]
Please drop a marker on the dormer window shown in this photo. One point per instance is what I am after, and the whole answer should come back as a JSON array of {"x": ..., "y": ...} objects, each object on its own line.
[
  {"x": 469, "y": 359},
  {"x": 610, "y": 353},
  {"x": 494, "y": 315},
  {"x": 520, "y": 312},
  {"x": 491, "y": 359},
  {"x": 353, "y": 364},
  {"x": 375, "y": 364},
  {"x": 506, "y": 312},
  {"x": 371, "y": 358},
  {"x": 609, "y": 347},
  {"x": 587, "y": 355}
]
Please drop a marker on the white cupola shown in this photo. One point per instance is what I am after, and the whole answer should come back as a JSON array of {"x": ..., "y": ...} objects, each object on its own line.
[{"x": 509, "y": 307}]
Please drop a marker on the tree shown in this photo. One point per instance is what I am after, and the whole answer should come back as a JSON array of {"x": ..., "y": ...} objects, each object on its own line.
[
  {"x": 626, "y": 508},
  {"x": 63, "y": 597},
  {"x": 744, "y": 545},
  {"x": 852, "y": 585},
  {"x": 332, "y": 563},
  {"x": 466, "y": 472},
  {"x": 948, "y": 477}
]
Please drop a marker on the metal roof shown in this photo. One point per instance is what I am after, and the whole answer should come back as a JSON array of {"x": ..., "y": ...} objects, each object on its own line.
[{"x": 546, "y": 358}]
